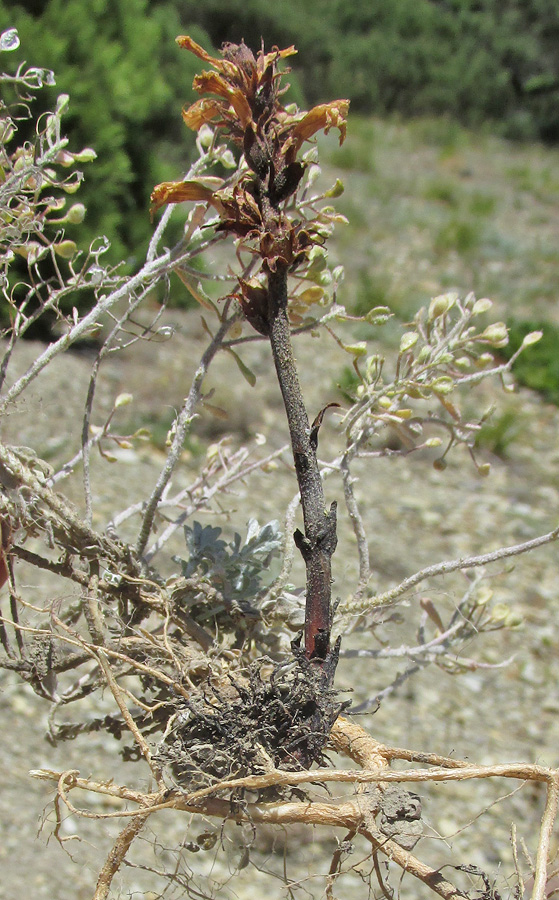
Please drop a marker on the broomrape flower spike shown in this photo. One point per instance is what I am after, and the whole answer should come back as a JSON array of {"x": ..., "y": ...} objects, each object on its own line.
[
  {"x": 247, "y": 106},
  {"x": 245, "y": 101}
]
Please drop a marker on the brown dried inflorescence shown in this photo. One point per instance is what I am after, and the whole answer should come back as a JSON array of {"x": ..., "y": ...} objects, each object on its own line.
[{"x": 247, "y": 106}]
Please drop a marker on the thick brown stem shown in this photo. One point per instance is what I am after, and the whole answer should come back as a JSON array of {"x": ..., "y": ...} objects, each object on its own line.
[{"x": 318, "y": 542}]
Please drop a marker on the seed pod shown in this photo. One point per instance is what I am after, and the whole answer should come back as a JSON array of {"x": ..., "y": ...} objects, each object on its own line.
[
  {"x": 255, "y": 153},
  {"x": 66, "y": 249},
  {"x": 286, "y": 182},
  {"x": 76, "y": 214}
]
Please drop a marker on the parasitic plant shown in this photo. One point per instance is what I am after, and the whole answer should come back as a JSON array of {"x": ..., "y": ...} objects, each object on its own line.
[{"x": 255, "y": 209}]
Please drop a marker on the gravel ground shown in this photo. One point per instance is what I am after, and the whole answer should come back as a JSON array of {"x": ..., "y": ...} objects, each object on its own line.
[{"x": 415, "y": 516}]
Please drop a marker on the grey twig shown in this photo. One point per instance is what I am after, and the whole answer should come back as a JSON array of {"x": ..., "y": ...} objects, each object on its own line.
[
  {"x": 181, "y": 427},
  {"x": 445, "y": 568},
  {"x": 357, "y": 524}
]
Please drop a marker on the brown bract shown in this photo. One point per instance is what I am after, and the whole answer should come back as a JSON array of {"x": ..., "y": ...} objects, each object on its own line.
[
  {"x": 202, "y": 190},
  {"x": 253, "y": 298},
  {"x": 241, "y": 213}
]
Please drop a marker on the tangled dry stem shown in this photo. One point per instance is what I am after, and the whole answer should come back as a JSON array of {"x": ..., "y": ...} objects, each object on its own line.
[
  {"x": 243, "y": 726},
  {"x": 356, "y": 815}
]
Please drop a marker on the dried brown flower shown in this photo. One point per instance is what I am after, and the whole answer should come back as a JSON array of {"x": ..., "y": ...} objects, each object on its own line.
[
  {"x": 248, "y": 107},
  {"x": 245, "y": 102}
]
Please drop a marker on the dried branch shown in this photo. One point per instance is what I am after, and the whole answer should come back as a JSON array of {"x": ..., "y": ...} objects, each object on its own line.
[
  {"x": 354, "y": 815},
  {"x": 182, "y": 424},
  {"x": 445, "y": 568},
  {"x": 357, "y": 524},
  {"x": 17, "y": 472},
  {"x": 549, "y": 818},
  {"x": 117, "y": 855},
  {"x": 318, "y": 543},
  {"x": 234, "y": 469}
]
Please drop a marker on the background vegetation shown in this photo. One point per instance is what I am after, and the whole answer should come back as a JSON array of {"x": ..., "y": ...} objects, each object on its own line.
[
  {"x": 491, "y": 65},
  {"x": 473, "y": 61}
]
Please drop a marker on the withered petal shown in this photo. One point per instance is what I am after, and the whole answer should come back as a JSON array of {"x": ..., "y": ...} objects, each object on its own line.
[
  {"x": 322, "y": 118},
  {"x": 241, "y": 106},
  {"x": 212, "y": 83},
  {"x": 201, "y": 112},
  {"x": 222, "y": 65},
  {"x": 265, "y": 59},
  {"x": 181, "y": 191}
]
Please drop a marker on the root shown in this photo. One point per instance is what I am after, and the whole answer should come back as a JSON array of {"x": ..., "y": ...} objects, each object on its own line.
[{"x": 251, "y": 726}]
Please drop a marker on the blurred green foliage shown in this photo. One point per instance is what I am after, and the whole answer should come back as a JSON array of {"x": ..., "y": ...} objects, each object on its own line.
[
  {"x": 458, "y": 235},
  {"x": 538, "y": 365},
  {"x": 468, "y": 61},
  {"x": 500, "y": 431}
]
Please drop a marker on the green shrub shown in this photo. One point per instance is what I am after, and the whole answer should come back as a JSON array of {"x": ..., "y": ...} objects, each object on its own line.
[
  {"x": 538, "y": 366},
  {"x": 459, "y": 235},
  {"x": 499, "y": 432}
]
